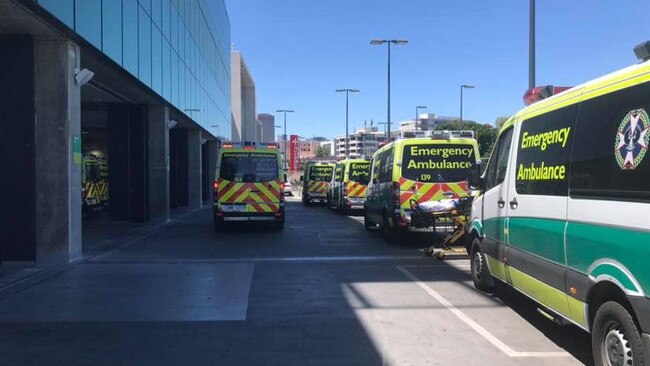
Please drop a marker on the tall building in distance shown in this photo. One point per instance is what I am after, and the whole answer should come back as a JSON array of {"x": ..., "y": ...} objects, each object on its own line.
[
  {"x": 425, "y": 122},
  {"x": 268, "y": 126},
  {"x": 363, "y": 143},
  {"x": 245, "y": 125}
]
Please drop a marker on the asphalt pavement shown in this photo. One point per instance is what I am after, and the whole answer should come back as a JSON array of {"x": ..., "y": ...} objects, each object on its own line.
[{"x": 322, "y": 292}]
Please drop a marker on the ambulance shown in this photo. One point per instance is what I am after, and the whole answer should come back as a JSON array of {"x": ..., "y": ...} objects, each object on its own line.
[
  {"x": 430, "y": 166},
  {"x": 347, "y": 190},
  {"x": 315, "y": 181},
  {"x": 564, "y": 210},
  {"x": 248, "y": 186},
  {"x": 94, "y": 182}
]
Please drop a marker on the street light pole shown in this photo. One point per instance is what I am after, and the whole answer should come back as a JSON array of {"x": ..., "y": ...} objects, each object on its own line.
[
  {"x": 464, "y": 86},
  {"x": 347, "y": 137},
  {"x": 285, "y": 111},
  {"x": 531, "y": 46},
  {"x": 417, "y": 117},
  {"x": 398, "y": 42}
]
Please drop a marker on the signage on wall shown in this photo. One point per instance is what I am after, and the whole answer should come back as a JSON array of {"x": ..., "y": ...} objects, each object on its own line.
[{"x": 294, "y": 154}]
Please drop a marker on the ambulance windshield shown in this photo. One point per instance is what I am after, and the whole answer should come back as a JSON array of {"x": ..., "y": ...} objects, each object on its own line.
[
  {"x": 360, "y": 172},
  {"x": 249, "y": 167},
  {"x": 92, "y": 172},
  {"x": 437, "y": 163},
  {"x": 320, "y": 173}
]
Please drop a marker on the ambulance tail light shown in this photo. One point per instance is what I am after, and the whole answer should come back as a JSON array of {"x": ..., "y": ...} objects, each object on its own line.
[
  {"x": 215, "y": 190},
  {"x": 396, "y": 193},
  {"x": 534, "y": 95}
]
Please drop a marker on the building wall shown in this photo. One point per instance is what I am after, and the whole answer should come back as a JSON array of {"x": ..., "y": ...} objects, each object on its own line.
[
  {"x": 180, "y": 49},
  {"x": 243, "y": 103},
  {"x": 268, "y": 126}
]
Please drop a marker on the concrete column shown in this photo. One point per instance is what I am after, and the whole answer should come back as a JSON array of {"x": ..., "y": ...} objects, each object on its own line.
[
  {"x": 158, "y": 163},
  {"x": 194, "y": 167},
  {"x": 213, "y": 151},
  {"x": 58, "y": 150}
]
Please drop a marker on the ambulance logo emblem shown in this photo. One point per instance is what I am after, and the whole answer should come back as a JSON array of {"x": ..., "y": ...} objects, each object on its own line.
[{"x": 632, "y": 139}]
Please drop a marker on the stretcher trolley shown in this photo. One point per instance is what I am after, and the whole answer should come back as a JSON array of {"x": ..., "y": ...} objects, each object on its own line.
[{"x": 449, "y": 219}]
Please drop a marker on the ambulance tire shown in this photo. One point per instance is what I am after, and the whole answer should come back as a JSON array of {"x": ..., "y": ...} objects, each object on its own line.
[
  {"x": 615, "y": 337},
  {"x": 388, "y": 234},
  {"x": 479, "y": 269},
  {"x": 278, "y": 226},
  {"x": 366, "y": 221}
]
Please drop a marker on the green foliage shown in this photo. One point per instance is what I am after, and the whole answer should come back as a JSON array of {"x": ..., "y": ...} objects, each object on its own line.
[
  {"x": 500, "y": 121},
  {"x": 485, "y": 133},
  {"x": 322, "y": 152}
]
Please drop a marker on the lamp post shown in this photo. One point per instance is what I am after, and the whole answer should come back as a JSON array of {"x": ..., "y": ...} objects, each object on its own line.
[
  {"x": 385, "y": 134},
  {"x": 347, "y": 137},
  {"x": 285, "y": 111},
  {"x": 417, "y": 117},
  {"x": 531, "y": 45},
  {"x": 397, "y": 42},
  {"x": 464, "y": 86}
]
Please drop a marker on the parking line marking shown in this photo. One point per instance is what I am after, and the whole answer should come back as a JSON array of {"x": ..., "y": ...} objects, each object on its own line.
[{"x": 473, "y": 324}]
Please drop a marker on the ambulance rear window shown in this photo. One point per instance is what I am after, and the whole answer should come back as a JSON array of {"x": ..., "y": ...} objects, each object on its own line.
[
  {"x": 249, "y": 167},
  {"x": 320, "y": 173},
  {"x": 93, "y": 173},
  {"x": 437, "y": 162},
  {"x": 360, "y": 172}
]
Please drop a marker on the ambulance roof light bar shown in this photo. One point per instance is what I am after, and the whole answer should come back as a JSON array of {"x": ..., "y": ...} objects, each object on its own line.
[
  {"x": 642, "y": 51},
  {"x": 534, "y": 95}
]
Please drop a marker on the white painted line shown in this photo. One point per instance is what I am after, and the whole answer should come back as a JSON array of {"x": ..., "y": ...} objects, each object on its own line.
[
  {"x": 360, "y": 258},
  {"x": 474, "y": 325}
]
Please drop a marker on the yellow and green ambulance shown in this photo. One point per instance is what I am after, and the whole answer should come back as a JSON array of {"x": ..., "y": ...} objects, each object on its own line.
[
  {"x": 248, "y": 185},
  {"x": 421, "y": 169},
  {"x": 348, "y": 186},
  {"x": 564, "y": 211},
  {"x": 315, "y": 181}
]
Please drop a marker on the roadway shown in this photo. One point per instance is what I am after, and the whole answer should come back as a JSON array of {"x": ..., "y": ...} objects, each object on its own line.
[{"x": 324, "y": 291}]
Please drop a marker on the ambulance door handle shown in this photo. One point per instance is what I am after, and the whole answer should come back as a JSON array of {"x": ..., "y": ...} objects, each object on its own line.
[
  {"x": 501, "y": 203},
  {"x": 514, "y": 204}
]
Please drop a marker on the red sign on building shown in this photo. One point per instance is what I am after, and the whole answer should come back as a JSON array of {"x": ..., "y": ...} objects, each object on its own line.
[{"x": 294, "y": 153}]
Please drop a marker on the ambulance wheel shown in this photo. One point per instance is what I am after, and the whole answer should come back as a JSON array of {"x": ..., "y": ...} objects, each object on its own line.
[
  {"x": 386, "y": 231},
  {"x": 366, "y": 221},
  {"x": 615, "y": 339},
  {"x": 480, "y": 273},
  {"x": 279, "y": 226}
]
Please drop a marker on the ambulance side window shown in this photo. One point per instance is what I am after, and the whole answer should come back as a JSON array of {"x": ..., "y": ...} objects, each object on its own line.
[{"x": 496, "y": 171}]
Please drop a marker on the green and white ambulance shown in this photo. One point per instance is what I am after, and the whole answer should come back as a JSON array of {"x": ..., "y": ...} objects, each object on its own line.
[
  {"x": 347, "y": 190},
  {"x": 564, "y": 211}
]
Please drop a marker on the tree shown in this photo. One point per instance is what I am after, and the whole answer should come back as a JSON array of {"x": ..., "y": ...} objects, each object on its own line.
[
  {"x": 485, "y": 133},
  {"x": 322, "y": 152},
  {"x": 500, "y": 121}
]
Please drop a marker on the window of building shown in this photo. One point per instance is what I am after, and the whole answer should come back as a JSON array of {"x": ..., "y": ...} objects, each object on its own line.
[
  {"x": 144, "y": 58},
  {"x": 156, "y": 60},
  {"x": 112, "y": 30},
  {"x": 62, "y": 9},
  {"x": 610, "y": 157},
  {"x": 129, "y": 29},
  {"x": 88, "y": 21}
]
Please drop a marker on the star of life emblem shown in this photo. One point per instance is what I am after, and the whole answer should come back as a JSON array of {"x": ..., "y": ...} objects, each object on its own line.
[{"x": 632, "y": 139}]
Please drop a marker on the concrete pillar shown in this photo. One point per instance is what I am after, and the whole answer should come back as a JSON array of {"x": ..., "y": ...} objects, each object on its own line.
[
  {"x": 194, "y": 167},
  {"x": 158, "y": 135},
  {"x": 58, "y": 150},
  {"x": 213, "y": 150}
]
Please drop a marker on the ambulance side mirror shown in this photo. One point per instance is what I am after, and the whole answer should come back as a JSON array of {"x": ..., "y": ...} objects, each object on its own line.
[
  {"x": 301, "y": 178},
  {"x": 474, "y": 178}
]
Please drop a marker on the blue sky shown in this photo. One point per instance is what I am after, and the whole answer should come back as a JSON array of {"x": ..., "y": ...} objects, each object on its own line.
[{"x": 300, "y": 51}]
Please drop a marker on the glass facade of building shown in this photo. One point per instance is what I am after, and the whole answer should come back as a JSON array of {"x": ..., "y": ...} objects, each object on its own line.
[{"x": 178, "y": 48}]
